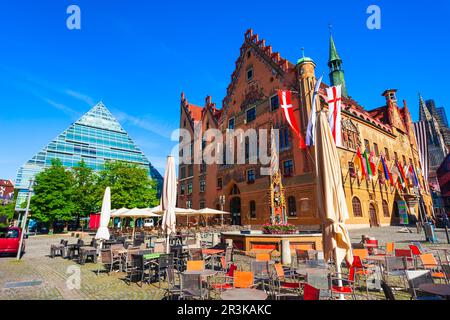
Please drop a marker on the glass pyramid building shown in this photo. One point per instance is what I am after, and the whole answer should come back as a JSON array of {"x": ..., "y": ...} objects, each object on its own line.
[{"x": 96, "y": 137}]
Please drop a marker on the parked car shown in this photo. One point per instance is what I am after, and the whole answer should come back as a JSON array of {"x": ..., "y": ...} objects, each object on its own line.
[
  {"x": 37, "y": 227},
  {"x": 72, "y": 225},
  {"x": 58, "y": 226},
  {"x": 149, "y": 223},
  {"x": 10, "y": 240}
]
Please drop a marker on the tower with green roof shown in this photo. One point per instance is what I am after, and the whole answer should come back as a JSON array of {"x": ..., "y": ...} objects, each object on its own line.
[{"x": 335, "y": 65}]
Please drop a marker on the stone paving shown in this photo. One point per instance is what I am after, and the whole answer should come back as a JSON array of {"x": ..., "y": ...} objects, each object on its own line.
[{"x": 37, "y": 266}]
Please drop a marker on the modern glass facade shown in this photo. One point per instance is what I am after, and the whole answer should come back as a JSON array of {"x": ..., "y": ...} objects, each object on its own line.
[{"x": 95, "y": 138}]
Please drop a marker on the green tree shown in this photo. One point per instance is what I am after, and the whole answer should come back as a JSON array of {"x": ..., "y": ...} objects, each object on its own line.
[
  {"x": 7, "y": 210},
  {"x": 53, "y": 194},
  {"x": 84, "y": 197},
  {"x": 130, "y": 185}
]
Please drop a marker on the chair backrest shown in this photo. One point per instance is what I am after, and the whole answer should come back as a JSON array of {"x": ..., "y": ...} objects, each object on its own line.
[
  {"x": 417, "y": 278},
  {"x": 279, "y": 270},
  {"x": 229, "y": 254},
  {"x": 80, "y": 242},
  {"x": 357, "y": 262},
  {"x": 372, "y": 242},
  {"x": 232, "y": 269},
  {"x": 395, "y": 263},
  {"x": 191, "y": 285},
  {"x": 419, "y": 246},
  {"x": 428, "y": 261},
  {"x": 260, "y": 267},
  {"x": 65, "y": 243},
  {"x": 106, "y": 256},
  {"x": 165, "y": 261},
  {"x": 390, "y": 247},
  {"x": 310, "y": 293},
  {"x": 117, "y": 246},
  {"x": 302, "y": 255},
  {"x": 403, "y": 253},
  {"x": 62, "y": 241},
  {"x": 195, "y": 265},
  {"x": 262, "y": 257},
  {"x": 414, "y": 250},
  {"x": 243, "y": 279},
  {"x": 196, "y": 254},
  {"x": 446, "y": 270},
  {"x": 351, "y": 274},
  {"x": 362, "y": 253}
]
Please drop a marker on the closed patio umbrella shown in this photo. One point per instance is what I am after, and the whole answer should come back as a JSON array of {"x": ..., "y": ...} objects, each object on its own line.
[
  {"x": 331, "y": 202},
  {"x": 105, "y": 215},
  {"x": 168, "y": 200}
]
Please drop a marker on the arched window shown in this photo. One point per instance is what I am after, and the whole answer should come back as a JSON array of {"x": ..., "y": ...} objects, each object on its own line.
[
  {"x": 252, "y": 209},
  {"x": 235, "y": 190},
  {"x": 356, "y": 205},
  {"x": 292, "y": 207},
  {"x": 386, "y": 209}
]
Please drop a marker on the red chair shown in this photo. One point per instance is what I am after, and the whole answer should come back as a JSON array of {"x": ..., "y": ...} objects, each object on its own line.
[
  {"x": 347, "y": 284},
  {"x": 227, "y": 279},
  {"x": 372, "y": 246},
  {"x": 310, "y": 293},
  {"x": 408, "y": 255}
]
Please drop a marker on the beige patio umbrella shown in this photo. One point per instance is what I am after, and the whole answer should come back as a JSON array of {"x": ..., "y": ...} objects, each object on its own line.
[
  {"x": 210, "y": 212},
  {"x": 137, "y": 213},
  {"x": 332, "y": 207},
  {"x": 169, "y": 199}
]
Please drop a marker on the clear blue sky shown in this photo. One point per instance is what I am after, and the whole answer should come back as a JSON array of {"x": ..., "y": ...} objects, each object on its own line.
[{"x": 137, "y": 56}]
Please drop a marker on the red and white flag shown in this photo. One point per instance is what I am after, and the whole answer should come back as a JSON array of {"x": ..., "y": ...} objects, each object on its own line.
[
  {"x": 285, "y": 98},
  {"x": 334, "y": 113}
]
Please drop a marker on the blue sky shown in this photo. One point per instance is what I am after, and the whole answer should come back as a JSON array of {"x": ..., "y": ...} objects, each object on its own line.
[{"x": 138, "y": 56}]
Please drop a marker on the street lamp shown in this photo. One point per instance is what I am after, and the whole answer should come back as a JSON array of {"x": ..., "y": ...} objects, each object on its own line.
[{"x": 24, "y": 219}]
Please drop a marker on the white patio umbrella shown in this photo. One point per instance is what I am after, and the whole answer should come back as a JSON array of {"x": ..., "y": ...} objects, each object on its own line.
[
  {"x": 331, "y": 202},
  {"x": 105, "y": 215},
  {"x": 169, "y": 199},
  {"x": 209, "y": 211},
  {"x": 136, "y": 214}
]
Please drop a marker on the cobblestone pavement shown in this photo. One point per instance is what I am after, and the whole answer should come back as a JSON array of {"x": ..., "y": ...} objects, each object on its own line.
[{"x": 49, "y": 276}]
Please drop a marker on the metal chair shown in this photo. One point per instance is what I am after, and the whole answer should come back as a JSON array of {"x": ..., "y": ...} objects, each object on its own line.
[
  {"x": 107, "y": 259},
  {"x": 192, "y": 287},
  {"x": 417, "y": 278}
]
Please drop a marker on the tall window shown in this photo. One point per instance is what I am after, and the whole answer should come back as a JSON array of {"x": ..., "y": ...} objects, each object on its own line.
[
  {"x": 251, "y": 176},
  {"x": 386, "y": 209},
  {"x": 375, "y": 148},
  {"x": 249, "y": 74},
  {"x": 190, "y": 170},
  {"x": 351, "y": 169},
  {"x": 231, "y": 124},
  {"x": 356, "y": 204},
  {"x": 386, "y": 154},
  {"x": 189, "y": 204},
  {"x": 183, "y": 172},
  {"x": 305, "y": 205},
  {"x": 189, "y": 188},
  {"x": 251, "y": 114},
  {"x": 202, "y": 185},
  {"x": 292, "y": 207},
  {"x": 202, "y": 204},
  {"x": 288, "y": 168},
  {"x": 284, "y": 138},
  {"x": 182, "y": 187},
  {"x": 252, "y": 209},
  {"x": 367, "y": 145},
  {"x": 219, "y": 183},
  {"x": 274, "y": 103},
  {"x": 350, "y": 135}
]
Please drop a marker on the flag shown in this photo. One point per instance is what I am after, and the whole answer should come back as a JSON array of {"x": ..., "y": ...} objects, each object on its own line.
[
  {"x": 369, "y": 173},
  {"x": 334, "y": 113},
  {"x": 285, "y": 98},
  {"x": 359, "y": 164},
  {"x": 312, "y": 120},
  {"x": 412, "y": 174},
  {"x": 387, "y": 174},
  {"x": 373, "y": 167}
]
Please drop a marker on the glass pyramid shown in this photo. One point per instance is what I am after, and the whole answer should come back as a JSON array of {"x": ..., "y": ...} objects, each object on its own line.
[{"x": 96, "y": 137}]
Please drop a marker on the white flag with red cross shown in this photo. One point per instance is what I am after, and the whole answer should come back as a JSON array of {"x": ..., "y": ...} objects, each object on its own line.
[
  {"x": 285, "y": 98},
  {"x": 334, "y": 113}
]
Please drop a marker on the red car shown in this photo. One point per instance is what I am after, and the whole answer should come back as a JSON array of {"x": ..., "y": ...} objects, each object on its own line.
[{"x": 10, "y": 240}]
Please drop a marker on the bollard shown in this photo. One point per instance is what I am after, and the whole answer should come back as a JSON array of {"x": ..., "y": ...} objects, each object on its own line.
[{"x": 285, "y": 252}]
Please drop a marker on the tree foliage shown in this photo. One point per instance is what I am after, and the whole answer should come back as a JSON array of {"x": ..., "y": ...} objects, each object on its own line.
[
  {"x": 53, "y": 194},
  {"x": 62, "y": 194},
  {"x": 130, "y": 185}
]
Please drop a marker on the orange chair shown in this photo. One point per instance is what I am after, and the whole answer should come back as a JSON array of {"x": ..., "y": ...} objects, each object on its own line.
[
  {"x": 262, "y": 257},
  {"x": 195, "y": 265},
  {"x": 243, "y": 279},
  {"x": 361, "y": 253},
  {"x": 281, "y": 279},
  {"x": 389, "y": 250},
  {"x": 429, "y": 262}
]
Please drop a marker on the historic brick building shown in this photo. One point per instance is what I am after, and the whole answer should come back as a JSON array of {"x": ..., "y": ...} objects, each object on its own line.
[{"x": 251, "y": 102}]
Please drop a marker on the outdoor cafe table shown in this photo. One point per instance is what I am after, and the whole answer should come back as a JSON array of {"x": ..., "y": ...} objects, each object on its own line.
[
  {"x": 442, "y": 290},
  {"x": 243, "y": 294}
]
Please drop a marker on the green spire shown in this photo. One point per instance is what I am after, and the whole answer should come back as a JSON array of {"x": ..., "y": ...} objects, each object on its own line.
[
  {"x": 335, "y": 65},
  {"x": 333, "y": 52}
]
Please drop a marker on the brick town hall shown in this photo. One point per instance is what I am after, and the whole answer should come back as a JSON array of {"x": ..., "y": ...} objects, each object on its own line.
[{"x": 252, "y": 102}]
